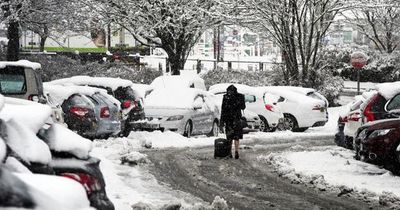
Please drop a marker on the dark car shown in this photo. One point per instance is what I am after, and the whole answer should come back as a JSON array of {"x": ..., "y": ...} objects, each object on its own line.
[
  {"x": 378, "y": 141},
  {"x": 85, "y": 170},
  {"x": 121, "y": 89}
]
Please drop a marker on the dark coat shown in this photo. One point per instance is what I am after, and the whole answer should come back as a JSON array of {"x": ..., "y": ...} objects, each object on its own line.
[{"x": 232, "y": 104}]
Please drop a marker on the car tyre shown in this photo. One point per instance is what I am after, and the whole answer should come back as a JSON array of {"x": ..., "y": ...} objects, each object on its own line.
[
  {"x": 290, "y": 123},
  {"x": 215, "y": 129},
  {"x": 264, "y": 127},
  {"x": 188, "y": 129}
]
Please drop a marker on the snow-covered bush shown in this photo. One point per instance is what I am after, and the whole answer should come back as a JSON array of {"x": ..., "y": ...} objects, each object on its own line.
[{"x": 57, "y": 67}]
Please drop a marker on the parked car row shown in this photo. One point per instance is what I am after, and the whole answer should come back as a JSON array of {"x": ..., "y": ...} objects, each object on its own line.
[{"x": 374, "y": 125}]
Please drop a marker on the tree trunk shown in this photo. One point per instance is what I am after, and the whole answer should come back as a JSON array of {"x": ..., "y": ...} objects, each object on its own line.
[
  {"x": 13, "y": 41},
  {"x": 176, "y": 63},
  {"x": 42, "y": 43}
]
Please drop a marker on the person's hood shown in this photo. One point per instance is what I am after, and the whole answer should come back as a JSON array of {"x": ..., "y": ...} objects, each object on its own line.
[{"x": 231, "y": 89}]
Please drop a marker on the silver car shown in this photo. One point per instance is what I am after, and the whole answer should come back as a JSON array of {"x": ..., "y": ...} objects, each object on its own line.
[{"x": 187, "y": 111}]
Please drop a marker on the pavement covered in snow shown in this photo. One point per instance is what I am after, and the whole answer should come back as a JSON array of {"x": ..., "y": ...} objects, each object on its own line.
[{"x": 129, "y": 182}]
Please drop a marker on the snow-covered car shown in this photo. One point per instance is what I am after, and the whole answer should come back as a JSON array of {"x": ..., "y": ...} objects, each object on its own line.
[
  {"x": 300, "y": 111},
  {"x": 89, "y": 111},
  {"x": 264, "y": 105},
  {"x": 187, "y": 111},
  {"x": 35, "y": 145},
  {"x": 179, "y": 81},
  {"x": 310, "y": 92},
  {"x": 20, "y": 79},
  {"x": 121, "y": 89}
]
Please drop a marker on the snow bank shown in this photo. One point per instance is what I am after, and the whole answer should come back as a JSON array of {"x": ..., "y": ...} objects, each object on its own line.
[
  {"x": 389, "y": 89},
  {"x": 172, "y": 98},
  {"x": 61, "y": 93},
  {"x": 334, "y": 168},
  {"x": 112, "y": 83},
  {"x": 142, "y": 89},
  {"x": 64, "y": 193},
  {"x": 21, "y": 63},
  {"x": 32, "y": 114},
  {"x": 62, "y": 139}
]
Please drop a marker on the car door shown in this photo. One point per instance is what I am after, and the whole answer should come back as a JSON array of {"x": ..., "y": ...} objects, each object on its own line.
[
  {"x": 199, "y": 114},
  {"x": 211, "y": 112}
]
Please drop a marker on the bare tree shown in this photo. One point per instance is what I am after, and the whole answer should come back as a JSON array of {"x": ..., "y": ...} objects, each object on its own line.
[
  {"x": 173, "y": 25},
  {"x": 379, "y": 21}
]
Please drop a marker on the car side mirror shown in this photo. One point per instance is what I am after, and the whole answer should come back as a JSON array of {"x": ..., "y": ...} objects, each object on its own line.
[
  {"x": 249, "y": 98},
  {"x": 197, "y": 105}
]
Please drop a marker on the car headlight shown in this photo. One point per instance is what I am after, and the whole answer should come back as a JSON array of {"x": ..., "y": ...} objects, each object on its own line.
[
  {"x": 174, "y": 118},
  {"x": 381, "y": 132}
]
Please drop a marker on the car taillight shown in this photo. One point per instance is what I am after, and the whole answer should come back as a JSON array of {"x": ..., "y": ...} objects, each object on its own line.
[
  {"x": 78, "y": 111},
  {"x": 104, "y": 112},
  {"x": 126, "y": 104},
  {"x": 343, "y": 119},
  {"x": 368, "y": 113},
  {"x": 317, "y": 107},
  {"x": 354, "y": 117},
  {"x": 90, "y": 183},
  {"x": 269, "y": 107}
]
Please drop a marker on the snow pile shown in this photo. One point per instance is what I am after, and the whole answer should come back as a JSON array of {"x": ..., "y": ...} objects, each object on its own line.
[
  {"x": 179, "y": 81},
  {"x": 33, "y": 115},
  {"x": 389, "y": 89},
  {"x": 63, "y": 193},
  {"x": 134, "y": 158},
  {"x": 21, "y": 63},
  {"x": 171, "y": 98},
  {"x": 26, "y": 144},
  {"x": 61, "y": 93},
  {"x": 109, "y": 82},
  {"x": 334, "y": 168},
  {"x": 142, "y": 89},
  {"x": 221, "y": 88},
  {"x": 62, "y": 139}
]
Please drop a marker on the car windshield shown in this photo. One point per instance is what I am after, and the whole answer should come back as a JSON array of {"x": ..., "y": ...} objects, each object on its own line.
[
  {"x": 12, "y": 80},
  {"x": 394, "y": 103}
]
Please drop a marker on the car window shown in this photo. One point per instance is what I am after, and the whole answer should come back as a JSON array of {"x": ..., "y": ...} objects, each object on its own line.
[
  {"x": 94, "y": 101},
  {"x": 394, "y": 103},
  {"x": 379, "y": 104},
  {"x": 78, "y": 100},
  {"x": 99, "y": 97},
  {"x": 12, "y": 80}
]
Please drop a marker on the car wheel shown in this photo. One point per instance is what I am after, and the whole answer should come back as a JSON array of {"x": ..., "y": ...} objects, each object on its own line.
[
  {"x": 290, "y": 123},
  {"x": 188, "y": 129},
  {"x": 264, "y": 124},
  {"x": 214, "y": 129}
]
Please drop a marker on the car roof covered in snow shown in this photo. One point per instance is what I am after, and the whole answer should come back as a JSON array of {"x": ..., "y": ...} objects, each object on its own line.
[
  {"x": 179, "y": 81},
  {"x": 244, "y": 89},
  {"x": 173, "y": 98},
  {"x": 290, "y": 95},
  {"x": 60, "y": 93},
  {"x": 388, "y": 89},
  {"x": 109, "y": 82},
  {"x": 21, "y": 63}
]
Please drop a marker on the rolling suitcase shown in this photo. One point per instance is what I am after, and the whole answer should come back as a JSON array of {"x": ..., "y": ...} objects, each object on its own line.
[{"x": 222, "y": 148}]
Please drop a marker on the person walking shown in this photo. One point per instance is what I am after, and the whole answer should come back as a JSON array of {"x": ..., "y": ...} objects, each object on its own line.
[{"x": 232, "y": 104}]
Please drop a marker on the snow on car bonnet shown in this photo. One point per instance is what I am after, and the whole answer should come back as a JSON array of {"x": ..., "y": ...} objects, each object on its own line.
[
  {"x": 21, "y": 63},
  {"x": 32, "y": 114},
  {"x": 172, "y": 98},
  {"x": 179, "y": 81},
  {"x": 389, "y": 89},
  {"x": 61, "y": 93},
  {"x": 62, "y": 139},
  {"x": 112, "y": 83}
]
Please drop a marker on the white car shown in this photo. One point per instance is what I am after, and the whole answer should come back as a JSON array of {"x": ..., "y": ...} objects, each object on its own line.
[
  {"x": 179, "y": 81},
  {"x": 311, "y": 92},
  {"x": 299, "y": 110},
  {"x": 264, "y": 105},
  {"x": 186, "y": 111}
]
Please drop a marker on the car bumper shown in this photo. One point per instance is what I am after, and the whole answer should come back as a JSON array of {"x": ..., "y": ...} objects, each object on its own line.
[{"x": 108, "y": 128}]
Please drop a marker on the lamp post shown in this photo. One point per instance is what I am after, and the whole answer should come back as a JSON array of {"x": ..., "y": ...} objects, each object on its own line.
[{"x": 358, "y": 61}]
